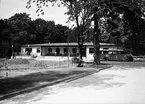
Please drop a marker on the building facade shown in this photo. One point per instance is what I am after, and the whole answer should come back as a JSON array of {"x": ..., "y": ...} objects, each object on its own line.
[{"x": 71, "y": 49}]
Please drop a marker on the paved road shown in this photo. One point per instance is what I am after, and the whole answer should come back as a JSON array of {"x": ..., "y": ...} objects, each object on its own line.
[{"x": 115, "y": 85}]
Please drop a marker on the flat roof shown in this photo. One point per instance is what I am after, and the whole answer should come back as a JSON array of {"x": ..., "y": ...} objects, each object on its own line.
[{"x": 65, "y": 44}]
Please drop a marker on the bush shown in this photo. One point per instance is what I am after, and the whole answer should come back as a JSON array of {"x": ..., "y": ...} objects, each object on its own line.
[
  {"x": 33, "y": 55},
  {"x": 106, "y": 58},
  {"x": 77, "y": 60},
  {"x": 129, "y": 57},
  {"x": 50, "y": 54}
]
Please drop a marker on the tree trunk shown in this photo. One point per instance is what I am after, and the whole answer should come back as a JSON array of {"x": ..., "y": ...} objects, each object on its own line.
[
  {"x": 78, "y": 38},
  {"x": 79, "y": 41},
  {"x": 96, "y": 37},
  {"x": 80, "y": 50}
]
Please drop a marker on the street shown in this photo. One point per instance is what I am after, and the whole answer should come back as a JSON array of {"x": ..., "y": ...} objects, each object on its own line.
[{"x": 119, "y": 84}]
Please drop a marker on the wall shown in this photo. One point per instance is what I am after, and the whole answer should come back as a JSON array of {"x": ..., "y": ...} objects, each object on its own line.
[
  {"x": 34, "y": 51},
  {"x": 90, "y": 55},
  {"x": 45, "y": 50}
]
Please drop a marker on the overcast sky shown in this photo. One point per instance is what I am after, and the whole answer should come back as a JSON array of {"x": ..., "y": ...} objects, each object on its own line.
[{"x": 9, "y": 7}]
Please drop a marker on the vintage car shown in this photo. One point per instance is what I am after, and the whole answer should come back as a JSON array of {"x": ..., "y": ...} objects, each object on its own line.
[{"x": 117, "y": 57}]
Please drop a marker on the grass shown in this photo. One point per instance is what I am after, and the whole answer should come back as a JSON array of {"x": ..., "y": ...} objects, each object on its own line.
[
  {"x": 15, "y": 67},
  {"x": 22, "y": 82}
]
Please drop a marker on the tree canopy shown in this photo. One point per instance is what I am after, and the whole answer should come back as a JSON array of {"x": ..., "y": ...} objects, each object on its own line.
[{"x": 20, "y": 29}]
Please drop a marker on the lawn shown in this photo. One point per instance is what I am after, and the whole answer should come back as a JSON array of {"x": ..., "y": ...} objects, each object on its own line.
[{"x": 16, "y": 67}]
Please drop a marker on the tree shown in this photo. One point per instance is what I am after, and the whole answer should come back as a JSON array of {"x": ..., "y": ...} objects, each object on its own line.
[
  {"x": 18, "y": 25},
  {"x": 77, "y": 12},
  {"x": 46, "y": 31},
  {"x": 59, "y": 34},
  {"x": 41, "y": 30},
  {"x": 4, "y": 30},
  {"x": 124, "y": 23}
]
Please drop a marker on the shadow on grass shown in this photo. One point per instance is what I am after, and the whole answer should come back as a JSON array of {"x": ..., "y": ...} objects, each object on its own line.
[
  {"x": 102, "y": 65},
  {"x": 10, "y": 85}
]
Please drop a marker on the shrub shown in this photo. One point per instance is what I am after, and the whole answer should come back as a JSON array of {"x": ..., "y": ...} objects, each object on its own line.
[
  {"x": 33, "y": 55},
  {"x": 50, "y": 54},
  {"x": 77, "y": 60},
  {"x": 129, "y": 57},
  {"x": 106, "y": 58}
]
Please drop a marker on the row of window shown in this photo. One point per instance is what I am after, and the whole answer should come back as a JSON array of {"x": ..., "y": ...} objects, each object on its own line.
[
  {"x": 91, "y": 51},
  {"x": 65, "y": 50},
  {"x": 29, "y": 50}
]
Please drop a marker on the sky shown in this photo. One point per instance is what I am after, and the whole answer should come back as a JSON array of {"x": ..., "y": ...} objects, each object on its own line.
[{"x": 53, "y": 13}]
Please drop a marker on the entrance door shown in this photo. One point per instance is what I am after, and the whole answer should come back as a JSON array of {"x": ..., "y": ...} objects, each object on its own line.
[
  {"x": 84, "y": 52},
  {"x": 28, "y": 50},
  {"x": 57, "y": 51}
]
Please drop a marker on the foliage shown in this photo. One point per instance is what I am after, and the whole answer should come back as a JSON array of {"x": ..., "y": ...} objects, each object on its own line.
[
  {"x": 41, "y": 30},
  {"x": 22, "y": 29},
  {"x": 4, "y": 30},
  {"x": 18, "y": 25},
  {"x": 59, "y": 34},
  {"x": 123, "y": 24},
  {"x": 129, "y": 57}
]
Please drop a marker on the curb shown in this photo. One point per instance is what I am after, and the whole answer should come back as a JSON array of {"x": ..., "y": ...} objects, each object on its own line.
[{"x": 67, "y": 79}]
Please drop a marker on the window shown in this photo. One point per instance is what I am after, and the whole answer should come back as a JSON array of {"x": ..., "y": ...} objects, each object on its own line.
[
  {"x": 91, "y": 50},
  {"x": 49, "y": 50},
  {"x": 100, "y": 52},
  {"x": 105, "y": 52},
  {"x": 28, "y": 51},
  {"x": 105, "y": 48},
  {"x": 74, "y": 50},
  {"x": 38, "y": 50},
  {"x": 65, "y": 50},
  {"x": 57, "y": 51}
]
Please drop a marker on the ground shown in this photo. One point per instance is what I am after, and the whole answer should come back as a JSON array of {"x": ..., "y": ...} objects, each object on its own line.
[{"x": 123, "y": 83}]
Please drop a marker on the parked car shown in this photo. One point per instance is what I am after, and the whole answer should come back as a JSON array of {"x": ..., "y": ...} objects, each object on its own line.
[{"x": 118, "y": 57}]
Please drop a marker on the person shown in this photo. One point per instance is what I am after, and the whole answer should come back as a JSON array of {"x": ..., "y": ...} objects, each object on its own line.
[{"x": 80, "y": 64}]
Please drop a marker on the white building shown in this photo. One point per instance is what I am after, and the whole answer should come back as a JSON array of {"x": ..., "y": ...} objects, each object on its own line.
[{"x": 61, "y": 49}]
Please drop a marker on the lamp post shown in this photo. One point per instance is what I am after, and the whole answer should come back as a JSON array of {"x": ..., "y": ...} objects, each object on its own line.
[{"x": 12, "y": 51}]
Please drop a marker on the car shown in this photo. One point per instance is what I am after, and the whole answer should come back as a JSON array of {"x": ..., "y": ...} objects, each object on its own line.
[{"x": 118, "y": 57}]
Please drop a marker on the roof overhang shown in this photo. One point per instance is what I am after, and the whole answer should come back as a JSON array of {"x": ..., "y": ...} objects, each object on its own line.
[{"x": 65, "y": 44}]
